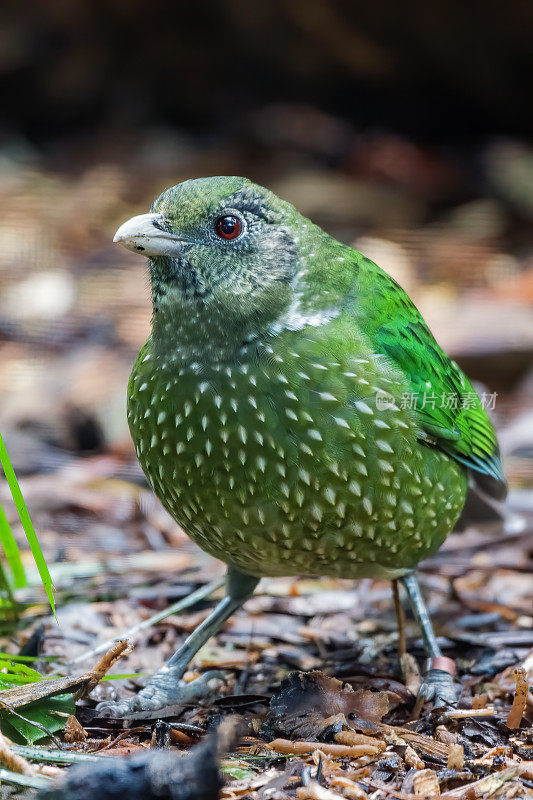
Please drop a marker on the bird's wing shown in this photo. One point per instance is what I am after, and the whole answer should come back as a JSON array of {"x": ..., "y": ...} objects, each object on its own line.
[{"x": 451, "y": 414}]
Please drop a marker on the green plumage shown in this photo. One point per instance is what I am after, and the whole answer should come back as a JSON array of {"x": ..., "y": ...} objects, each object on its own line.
[{"x": 291, "y": 408}]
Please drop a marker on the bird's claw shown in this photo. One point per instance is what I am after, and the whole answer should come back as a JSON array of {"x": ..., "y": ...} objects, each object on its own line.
[
  {"x": 438, "y": 687},
  {"x": 162, "y": 695}
]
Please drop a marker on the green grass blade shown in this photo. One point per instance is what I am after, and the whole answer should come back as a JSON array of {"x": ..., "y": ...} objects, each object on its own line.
[
  {"x": 27, "y": 524},
  {"x": 11, "y": 550}
]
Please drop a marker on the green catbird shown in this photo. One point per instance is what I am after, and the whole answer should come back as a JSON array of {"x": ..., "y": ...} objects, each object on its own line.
[{"x": 292, "y": 411}]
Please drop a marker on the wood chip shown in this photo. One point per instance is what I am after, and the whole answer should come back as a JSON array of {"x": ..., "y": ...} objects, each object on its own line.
[
  {"x": 442, "y": 734},
  {"x": 412, "y": 759},
  {"x": 456, "y": 757},
  {"x": 488, "y": 785},
  {"x": 422, "y": 743},
  {"x": 349, "y": 788},
  {"x": 426, "y": 783},
  {"x": 314, "y": 791}
]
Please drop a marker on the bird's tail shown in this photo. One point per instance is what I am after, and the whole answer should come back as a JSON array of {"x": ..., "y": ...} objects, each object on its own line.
[{"x": 482, "y": 508}]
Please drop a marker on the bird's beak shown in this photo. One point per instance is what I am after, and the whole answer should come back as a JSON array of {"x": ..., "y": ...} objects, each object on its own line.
[{"x": 144, "y": 234}]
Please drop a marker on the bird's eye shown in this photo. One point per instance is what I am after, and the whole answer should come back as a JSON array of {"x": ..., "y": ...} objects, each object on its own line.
[{"x": 228, "y": 227}]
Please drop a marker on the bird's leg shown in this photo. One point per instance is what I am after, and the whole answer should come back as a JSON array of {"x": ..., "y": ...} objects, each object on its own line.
[
  {"x": 438, "y": 680},
  {"x": 166, "y": 687}
]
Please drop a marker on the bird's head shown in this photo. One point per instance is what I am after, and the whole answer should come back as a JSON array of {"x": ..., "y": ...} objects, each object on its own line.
[{"x": 220, "y": 248}]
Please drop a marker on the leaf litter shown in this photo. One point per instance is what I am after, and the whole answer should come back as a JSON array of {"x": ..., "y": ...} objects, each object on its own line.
[{"x": 311, "y": 666}]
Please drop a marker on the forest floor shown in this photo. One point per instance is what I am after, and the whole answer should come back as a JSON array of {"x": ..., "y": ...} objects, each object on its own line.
[
  {"x": 311, "y": 666},
  {"x": 319, "y": 707}
]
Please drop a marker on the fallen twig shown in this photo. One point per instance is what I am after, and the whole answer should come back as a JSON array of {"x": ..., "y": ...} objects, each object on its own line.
[
  {"x": 516, "y": 713},
  {"x": 117, "y": 651},
  {"x": 286, "y": 747}
]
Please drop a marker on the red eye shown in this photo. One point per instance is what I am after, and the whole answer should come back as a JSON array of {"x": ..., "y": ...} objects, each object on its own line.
[{"x": 228, "y": 227}]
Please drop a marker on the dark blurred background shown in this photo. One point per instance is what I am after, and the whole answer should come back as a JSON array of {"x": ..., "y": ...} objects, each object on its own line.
[{"x": 404, "y": 129}]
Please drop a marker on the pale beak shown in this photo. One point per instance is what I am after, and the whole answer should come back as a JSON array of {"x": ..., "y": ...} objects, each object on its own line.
[{"x": 145, "y": 235}]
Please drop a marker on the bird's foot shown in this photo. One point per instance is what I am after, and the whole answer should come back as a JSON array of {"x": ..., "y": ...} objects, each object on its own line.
[
  {"x": 438, "y": 685},
  {"x": 162, "y": 695}
]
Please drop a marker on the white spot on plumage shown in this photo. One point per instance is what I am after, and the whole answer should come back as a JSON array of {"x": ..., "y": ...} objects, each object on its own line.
[
  {"x": 341, "y": 422},
  {"x": 304, "y": 476},
  {"x": 299, "y": 497},
  {"x": 354, "y": 488},
  {"x": 330, "y": 495}
]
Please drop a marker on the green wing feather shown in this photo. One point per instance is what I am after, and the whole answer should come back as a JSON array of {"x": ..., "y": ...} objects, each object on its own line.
[{"x": 451, "y": 414}]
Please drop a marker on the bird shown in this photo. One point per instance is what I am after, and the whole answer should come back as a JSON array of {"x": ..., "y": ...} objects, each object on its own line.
[{"x": 293, "y": 412}]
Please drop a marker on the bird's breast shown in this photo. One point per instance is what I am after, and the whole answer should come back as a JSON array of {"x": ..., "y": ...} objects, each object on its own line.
[{"x": 285, "y": 461}]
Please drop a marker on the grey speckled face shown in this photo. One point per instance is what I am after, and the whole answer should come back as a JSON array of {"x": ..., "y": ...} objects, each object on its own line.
[{"x": 221, "y": 242}]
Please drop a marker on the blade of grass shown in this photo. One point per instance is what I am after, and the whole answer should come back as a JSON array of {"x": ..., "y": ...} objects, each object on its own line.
[
  {"x": 11, "y": 551},
  {"x": 37, "y": 753},
  {"x": 27, "y": 524},
  {"x": 7, "y": 604},
  {"x": 29, "y": 781}
]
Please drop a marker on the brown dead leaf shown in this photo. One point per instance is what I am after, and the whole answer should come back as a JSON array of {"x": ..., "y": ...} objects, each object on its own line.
[
  {"x": 309, "y": 703},
  {"x": 74, "y": 732}
]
